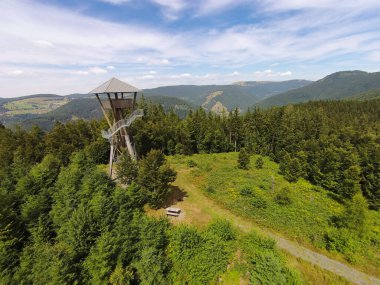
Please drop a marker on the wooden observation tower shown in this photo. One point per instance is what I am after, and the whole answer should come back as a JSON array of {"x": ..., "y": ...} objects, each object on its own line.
[{"x": 116, "y": 98}]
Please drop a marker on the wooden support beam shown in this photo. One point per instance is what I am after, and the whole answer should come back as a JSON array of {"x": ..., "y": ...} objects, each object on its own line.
[
  {"x": 112, "y": 153},
  {"x": 104, "y": 111},
  {"x": 134, "y": 101},
  {"x": 112, "y": 107}
]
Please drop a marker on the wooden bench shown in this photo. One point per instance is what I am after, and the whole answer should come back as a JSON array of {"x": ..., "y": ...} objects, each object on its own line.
[{"x": 174, "y": 212}]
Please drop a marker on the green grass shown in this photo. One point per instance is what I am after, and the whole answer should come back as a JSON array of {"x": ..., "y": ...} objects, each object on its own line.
[{"x": 305, "y": 218}]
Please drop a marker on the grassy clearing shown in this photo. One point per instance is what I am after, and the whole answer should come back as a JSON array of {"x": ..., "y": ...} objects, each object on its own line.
[
  {"x": 35, "y": 105},
  {"x": 252, "y": 197}
]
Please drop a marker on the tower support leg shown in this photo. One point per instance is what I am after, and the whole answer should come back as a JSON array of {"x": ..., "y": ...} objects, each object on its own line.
[
  {"x": 112, "y": 153},
  {"x": 130, "y": 147}
]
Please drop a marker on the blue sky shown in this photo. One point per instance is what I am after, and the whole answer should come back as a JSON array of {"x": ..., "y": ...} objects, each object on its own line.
[{"x": 62, "y": 47}]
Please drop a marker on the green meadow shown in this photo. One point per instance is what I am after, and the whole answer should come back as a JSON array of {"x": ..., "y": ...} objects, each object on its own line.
[
  {"x": 35, "y": 105},
  {"x": 299, "y": 211}
]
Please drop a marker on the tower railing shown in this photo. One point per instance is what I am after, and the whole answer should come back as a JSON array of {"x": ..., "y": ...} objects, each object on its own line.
[{"x": 126, "y": 122}]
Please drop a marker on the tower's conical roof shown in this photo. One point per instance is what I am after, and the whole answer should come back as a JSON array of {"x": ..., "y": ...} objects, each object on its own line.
[{"x": 114, "y": 85}]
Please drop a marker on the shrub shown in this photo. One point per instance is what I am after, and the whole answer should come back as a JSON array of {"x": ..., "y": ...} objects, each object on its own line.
[
  {"x": 259, "y": 163},
  {"x": 283, "y": 197},
  {"x": 197, "y": 258},
  {"x": 259, "y": 202},
  {"x": 269, "y": 268},
  {"x": 265, "y": 263},
  {"x": 209, "y": 189},
  {"x": 191, "y": 163},
  {"x": 243, "y": 159},
  {"x": 222, "y": 229},
  {"x": 355, "y": 215},
  {"x": 206, "y": 167},
  {"x": 342, "y": 240},
  {"x": 246, "y": 191}
]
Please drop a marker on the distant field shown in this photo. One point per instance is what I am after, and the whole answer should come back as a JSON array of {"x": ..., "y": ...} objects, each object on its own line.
[{"x": 36, "y": 105}]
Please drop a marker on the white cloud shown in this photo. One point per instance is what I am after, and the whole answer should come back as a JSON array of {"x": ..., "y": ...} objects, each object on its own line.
[
  {"x": 175, "y": 5},
  {"x": 15, "y": 72},
  {"x": 97, "y": 70},
  {"x": 235, "y": 73},
  {"x": 286, "y": 73},
  {"x": 79, "y": 72},
  {"x": 153, "y": 61},
  {"x": 114, "y": 2},
  {"x": 93, "y": 70},
  {"x": 43, "y": 44},
  {"x": 171, "y": 8},
  {"x": 320, "y": 4},
  {"x": 147, "y": 76},
  {"x": 48, "y": 41},
  {"x": 212, "y": 6},
  {"x": 182, "y": 75},
  {"x": 22, "y": 22},
  {"x": 271, "y": 74},
  {"x": 164, "y": 61}
]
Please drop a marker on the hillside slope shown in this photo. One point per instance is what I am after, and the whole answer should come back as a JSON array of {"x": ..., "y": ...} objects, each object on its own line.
[
  {"x": 370, "y": 95},
  {"x": 87, "y": 109},
  {"x": 239, "y": 95},
  {"x": 252, "y": 199},
  {"x": 338, "y": 85}
]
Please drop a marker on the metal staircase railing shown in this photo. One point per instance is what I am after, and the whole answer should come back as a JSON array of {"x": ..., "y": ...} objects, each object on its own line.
[{"x": 122, "y": 124}]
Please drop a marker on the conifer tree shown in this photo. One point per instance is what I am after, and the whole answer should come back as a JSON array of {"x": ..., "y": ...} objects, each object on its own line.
[
  {"x": 259, "y": 163},
  {"x": 243, "y": 159},
  {"x": 154, "y": 176}
]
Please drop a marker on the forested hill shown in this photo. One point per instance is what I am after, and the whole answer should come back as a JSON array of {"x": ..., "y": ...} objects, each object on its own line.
[
  {"x": 338, "y": 85},
  {"x": 63, "y": 221},
  {"x": 238, "y": 95},
  {"x": 45, "y": 110},
  {"x": 86, "y": 108},
  {"x": 370, "y": 95}
]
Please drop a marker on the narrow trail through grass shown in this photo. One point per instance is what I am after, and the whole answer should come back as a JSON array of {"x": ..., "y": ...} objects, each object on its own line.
[{"x": 199, "y": 210}]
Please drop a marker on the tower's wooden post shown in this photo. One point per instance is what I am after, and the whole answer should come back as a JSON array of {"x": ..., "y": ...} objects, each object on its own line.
[{"x": 103, "y": 110}]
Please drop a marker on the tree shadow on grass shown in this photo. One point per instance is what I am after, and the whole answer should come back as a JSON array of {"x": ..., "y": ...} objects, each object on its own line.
[{"x": 174, "y": 196}]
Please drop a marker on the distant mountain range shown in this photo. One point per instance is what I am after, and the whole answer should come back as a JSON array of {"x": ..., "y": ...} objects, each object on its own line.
[
  {"x": 46, "y": 109},
  {"x": 338, "y": 85},
  {"x": 227, "y": 97},
  {"x": 83, "y": 108}
]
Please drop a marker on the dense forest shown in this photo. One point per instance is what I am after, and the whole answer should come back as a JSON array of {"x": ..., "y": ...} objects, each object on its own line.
[{"x": 63, "y": 221}]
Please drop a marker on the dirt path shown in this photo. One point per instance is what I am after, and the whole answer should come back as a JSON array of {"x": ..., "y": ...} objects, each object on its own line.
[
  {"x": 324, "y": 262},
  {"x": 199, "y": 210}
]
